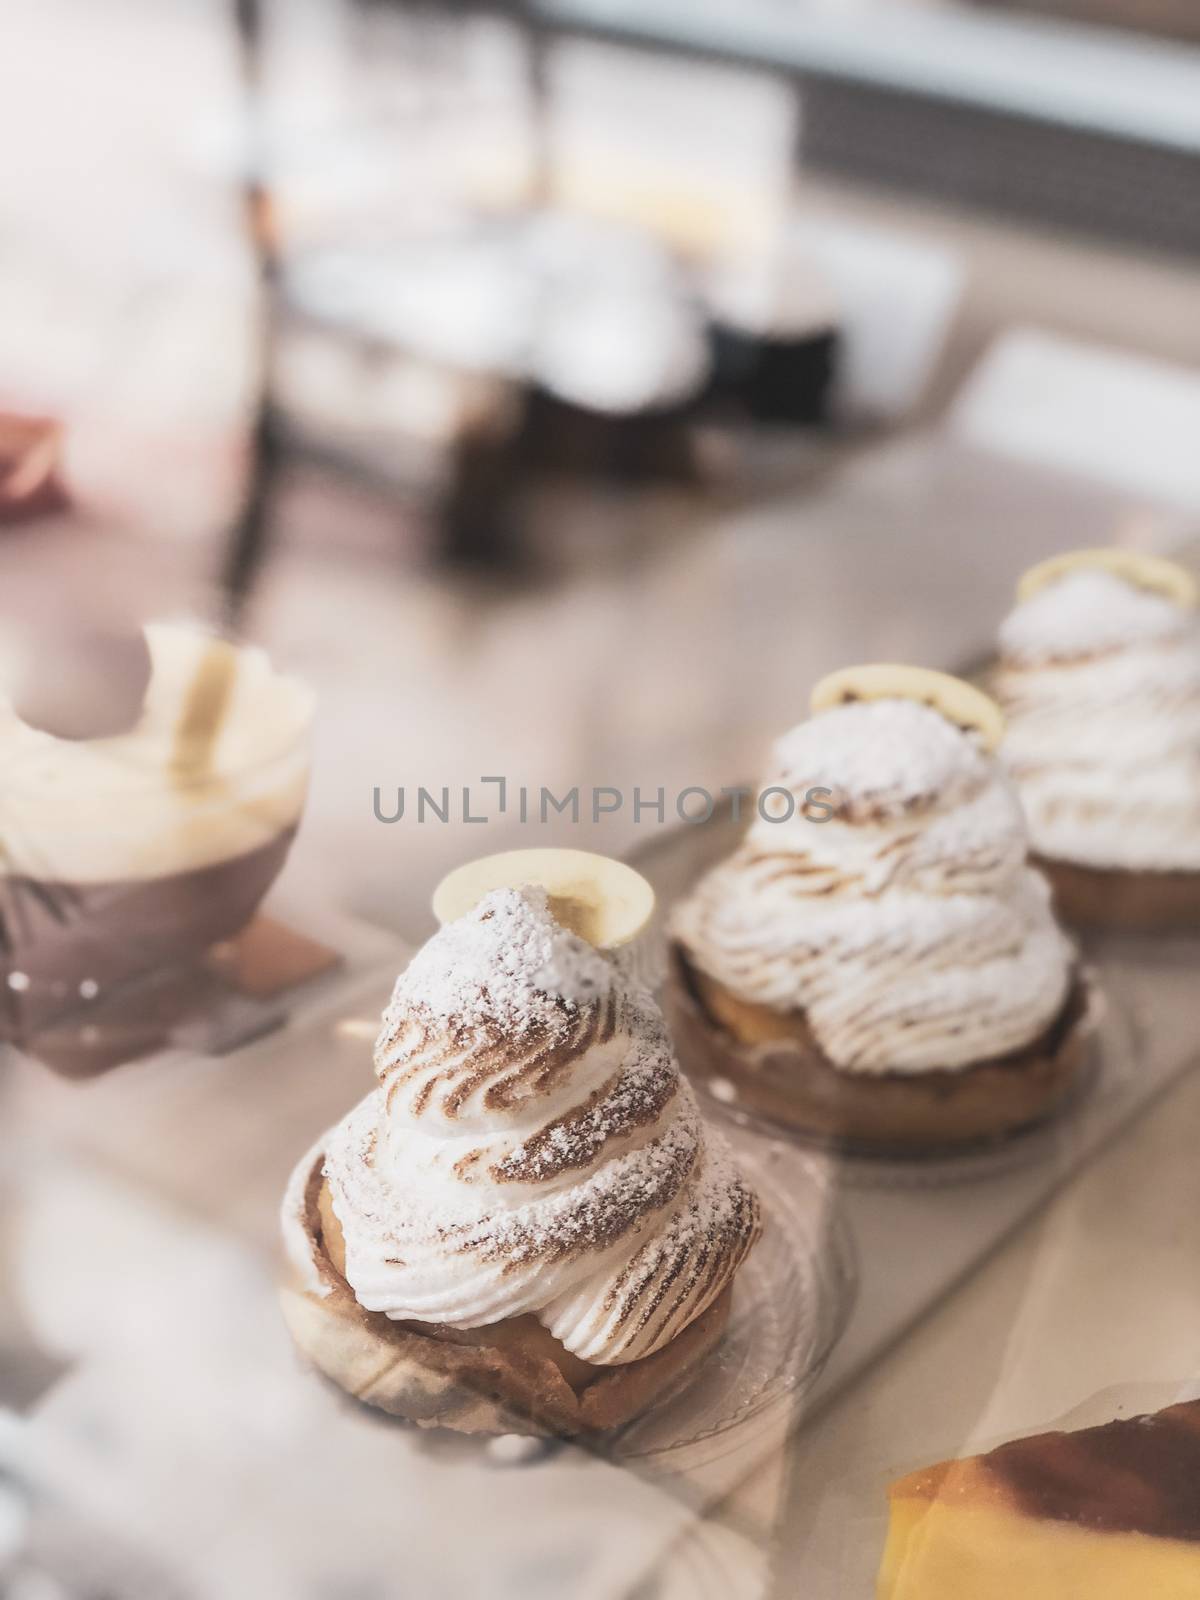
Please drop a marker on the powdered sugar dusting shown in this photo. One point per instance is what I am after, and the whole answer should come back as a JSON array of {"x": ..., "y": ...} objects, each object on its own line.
[
  {"x": 595, "y": 1213},
  {"x": 1085, "y": 613},
  {"x": 879, "y": 755},
  {"x": 508, "y": 961},
  {"x": 639, "y": 1094}
]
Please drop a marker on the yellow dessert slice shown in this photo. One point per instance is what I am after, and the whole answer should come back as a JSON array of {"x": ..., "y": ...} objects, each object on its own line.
[{"x": 1108, "y": 1513}]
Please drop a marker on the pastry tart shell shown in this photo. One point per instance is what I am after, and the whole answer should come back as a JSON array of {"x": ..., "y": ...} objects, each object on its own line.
[
  {"x": 513, "y": 1377},
  {"x": 768, "y": 1063},
  {"x": 1111, "y": 900}
]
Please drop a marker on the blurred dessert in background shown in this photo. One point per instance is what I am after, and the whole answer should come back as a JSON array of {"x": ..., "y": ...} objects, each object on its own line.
[
  {"x": 134, "y": 851},
  {"x": 464, "y": 357},
  {"x": 878, "y": 964},
  {"x": 774, "y": 326},
  {"x": 618, "y": 362},
  {"x": 526, "y": 1227},
  {"x": 1105, "y": 1513},
  {"x": 448, "y": 286},
  {"x": 405, "y": 357},
  {"x": 1099, "y": 678}
]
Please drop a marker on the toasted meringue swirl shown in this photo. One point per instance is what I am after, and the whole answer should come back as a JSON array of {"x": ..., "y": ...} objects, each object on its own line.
[
  {"x": 531, "y": 1147},
  {"x": 1100, "y": 683},
  {"x": 907, "y": 927}
]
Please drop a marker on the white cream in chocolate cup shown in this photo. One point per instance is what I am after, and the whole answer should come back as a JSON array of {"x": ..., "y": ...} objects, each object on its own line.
[{"x": 130, "y": 854}]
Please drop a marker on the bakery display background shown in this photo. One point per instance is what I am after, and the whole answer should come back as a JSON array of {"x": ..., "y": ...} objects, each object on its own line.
[{"x": 658, "y": 636}]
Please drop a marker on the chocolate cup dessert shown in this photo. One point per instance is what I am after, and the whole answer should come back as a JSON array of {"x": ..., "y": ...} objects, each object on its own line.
[
  {"x": 780, "y": 1072},
  {"x": 1111, "y": 900},
  {"x": 774, "y": 378},
  {"x": 144, "y": 822},
  {"x": 62, "y": 944},
  {"x": 510, "y": 1377}
]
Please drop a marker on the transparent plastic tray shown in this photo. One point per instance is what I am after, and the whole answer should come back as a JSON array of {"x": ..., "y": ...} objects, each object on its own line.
[{"x": 962, "y": 1207}]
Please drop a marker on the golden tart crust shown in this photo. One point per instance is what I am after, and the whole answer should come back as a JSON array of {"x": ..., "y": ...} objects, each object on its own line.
[
  {"x": 511, "y": 1377},
  {"x": 777, "y": 1069},
  {"x": 1109, "y": 899}
]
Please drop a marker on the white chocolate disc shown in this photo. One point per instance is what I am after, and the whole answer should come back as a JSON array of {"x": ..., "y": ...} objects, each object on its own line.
[
  {"x": 1143, "y": 571},
  {"x": 602, "y": 900},
  {"x": 967, "y": 707}
]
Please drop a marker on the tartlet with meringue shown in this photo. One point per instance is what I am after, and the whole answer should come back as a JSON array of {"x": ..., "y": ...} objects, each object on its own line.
[
  {"x": 526, "y": 1227},
  {"x": 877, "y": 965},
  {"x": 1099, "y": 679}
]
